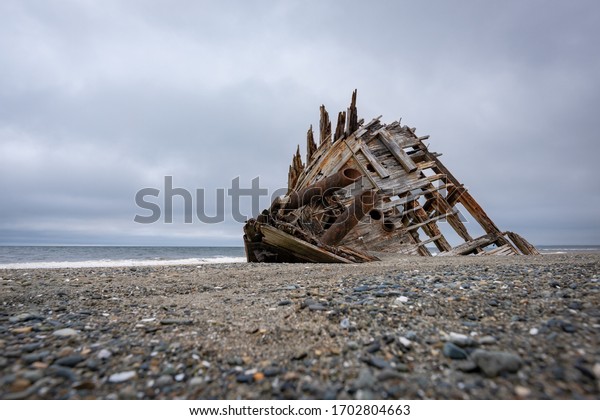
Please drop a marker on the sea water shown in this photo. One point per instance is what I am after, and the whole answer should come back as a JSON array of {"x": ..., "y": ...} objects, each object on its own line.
[{"x": 114, "y": 256}]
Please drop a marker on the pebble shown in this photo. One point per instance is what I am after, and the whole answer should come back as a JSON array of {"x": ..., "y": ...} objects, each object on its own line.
[
  {"x": 196, "y": 381},
  {"x": 119, "y": 377},
  {"x": 460, "y": 340},
  {"x": 284, "y": 302},
  {"x": 70, "y": 361},
  {"x": 25, "y": 317},
  {"x": 175, "y": 321},
  {"x": 487, "y": 339},
  {"x": 345, "y": 323},
  {"x": 493, "y": 363},
  {"x": 405, "y": 342},
  {"x": 452, "y": 351},
  {"x": 596, "y": 370},
  {"x": 534, "y": 331},
  {"x": 522, "y": 392},
  {"x": 317, "y": 307},
  {"x": 65, "y": 332},
  {"x": 104, "y": 354}
]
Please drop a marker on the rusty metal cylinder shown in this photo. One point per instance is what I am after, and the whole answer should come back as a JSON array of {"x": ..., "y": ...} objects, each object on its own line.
[
  {"x": 378, "y": 217},
  {"x": 349, "y": 218},
  {"x": 327, "y": 185}
]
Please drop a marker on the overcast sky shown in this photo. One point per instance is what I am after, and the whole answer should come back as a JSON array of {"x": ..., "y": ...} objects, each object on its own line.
[{"x": 99, "y": 99}]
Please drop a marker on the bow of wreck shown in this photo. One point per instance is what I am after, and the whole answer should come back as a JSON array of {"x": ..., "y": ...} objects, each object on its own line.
[{"x": 370, "y": 189}]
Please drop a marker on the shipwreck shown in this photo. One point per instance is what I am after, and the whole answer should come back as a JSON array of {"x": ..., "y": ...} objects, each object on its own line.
[{"x": 366, "y": 190}]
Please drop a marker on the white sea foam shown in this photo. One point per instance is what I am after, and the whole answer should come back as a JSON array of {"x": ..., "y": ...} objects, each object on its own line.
[{"x": 122, "y": 263}]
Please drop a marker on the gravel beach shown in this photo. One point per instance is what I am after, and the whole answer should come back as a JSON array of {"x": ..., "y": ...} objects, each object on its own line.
[{"x": 403, "y": 328}]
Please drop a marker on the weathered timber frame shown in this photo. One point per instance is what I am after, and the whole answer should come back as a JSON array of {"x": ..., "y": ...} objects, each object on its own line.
[{"x": 367, "y": 189}]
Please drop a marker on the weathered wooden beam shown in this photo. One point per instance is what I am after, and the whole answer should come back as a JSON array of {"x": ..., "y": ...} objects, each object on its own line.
[
  {"x": 311, "y": 146},
  {"x": 339, "y": 128},
  {"x": 403, "y": 159},
  {"x": 468, "y": 247},
  {"x": 524, "y": 246},
  {"x": 324, "y": 126},
  {"x": 352, "y": 124},
  {"x": 301, "y": 249},
  {"x": 378, "y": 167}
]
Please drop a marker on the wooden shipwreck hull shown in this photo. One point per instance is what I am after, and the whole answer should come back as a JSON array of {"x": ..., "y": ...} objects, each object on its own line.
[{"x": 369, "y": 189}]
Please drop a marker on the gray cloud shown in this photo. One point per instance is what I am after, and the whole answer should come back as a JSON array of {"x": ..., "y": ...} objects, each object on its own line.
[{"x": 100, "y": 100}]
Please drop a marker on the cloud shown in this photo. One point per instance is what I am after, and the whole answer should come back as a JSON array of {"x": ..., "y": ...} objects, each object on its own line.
[{"x": 100, "y": 100}]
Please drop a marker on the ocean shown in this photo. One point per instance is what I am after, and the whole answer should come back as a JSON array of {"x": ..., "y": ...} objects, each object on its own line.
[
  {"x": 114, "y": 256},
  {"x": 26, "y": 257}
]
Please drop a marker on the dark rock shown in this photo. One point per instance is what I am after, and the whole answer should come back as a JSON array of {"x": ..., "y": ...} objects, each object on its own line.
[
  {"x": 374, "y": 347},
  {"x": 284, "y": 302},
  {"x": 176, "y": 321},
  {"x": 493, "y": 363},
  {"x": 568, "y": 327},
  {"x": 376, "y": 362},
  {"x": 453, "y": 351},
  {"x": 70, "y": 361},
  {"x": 244, "y": 378}
]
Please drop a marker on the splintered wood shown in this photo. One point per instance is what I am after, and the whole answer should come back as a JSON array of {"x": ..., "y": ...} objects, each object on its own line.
[{"x": 371, "y": 189}]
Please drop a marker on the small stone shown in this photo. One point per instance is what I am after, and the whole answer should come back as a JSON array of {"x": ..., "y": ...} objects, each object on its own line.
[
  {"x": 430, "y": 312},
  {"x": 32, "y": 375},
  {"x": 365, "y": 379},
  {"x": 460, "y": 340},
  {"x": 389, "y": 374},
  {"x": 21, "y": 330},
  {"x": 164, "y": 380},
  {"x": 401, "y": 299},
  {"x": 271, "y": 371},
  {"x": 244, "y": 378},
  {"x": 374, "y": 347},
  {"x": 39, "y": 365},
  {"x": 376, "y": 362},
  {"x": 180, "y": 377},
  {"x": 19, "y": 385},
  {"x": 454, "y": 352},
  {"x": 568, "y": 327},
  {"x": 104, "y": 354},
  {"x": 317, "y": 307},
  {"x": 119, "y": 377},
  {"x": 25, "y": 317},
  {"x": 405, "y": 342},
  {"x": 284, "y": 302},
  {"x": 196, "y": 381},
  {"x": 175, "y": 321},
  {"x": 534, "y": 331},
  {"x": 352, "y": 345},
  {"x": 65, "y": 332},
  {"x": 576, "y": 305},
  {"x": 258, "y": 376},
  {"x": 487, "y": 339},
  {"x": 70, "y": 361},
  {"x": 493, "y": 363},
  {"x": 596, "y": 370},
  {"x": 345, "y": 323},
  {"x": 522, "y": 392}
]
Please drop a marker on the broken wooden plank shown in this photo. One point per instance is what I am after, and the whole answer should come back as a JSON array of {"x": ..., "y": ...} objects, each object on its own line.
[
  {"x": 403, "y": 159},
  {"x": 378, "y": 167},
  {"x": 298, "y": 247},
  {"x": 468, "y": 247}
]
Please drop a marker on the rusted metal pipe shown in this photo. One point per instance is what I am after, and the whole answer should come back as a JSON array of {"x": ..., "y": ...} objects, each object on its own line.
[
  {"x": 327, "y": 185},
  {"x": 378, "y": 217},
  {"x": 349, "y": 218}
]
